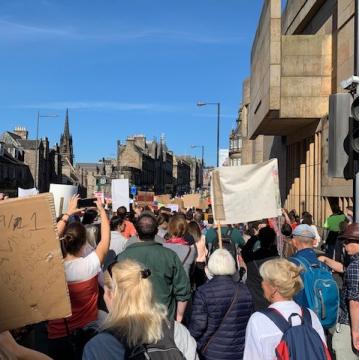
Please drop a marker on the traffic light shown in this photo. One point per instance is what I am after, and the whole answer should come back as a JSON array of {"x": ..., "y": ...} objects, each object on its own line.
[
  {"x": 339, "y": 113},
  {"x": 351, "y": 142}
]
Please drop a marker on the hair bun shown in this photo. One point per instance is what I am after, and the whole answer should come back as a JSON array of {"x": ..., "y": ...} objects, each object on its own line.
[
  {"x": 145, "y": 273},
  {"x": 68, "y": 238}
]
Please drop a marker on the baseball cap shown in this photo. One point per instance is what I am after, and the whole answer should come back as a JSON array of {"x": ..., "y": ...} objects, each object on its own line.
[{"x": 304, "y": 230}]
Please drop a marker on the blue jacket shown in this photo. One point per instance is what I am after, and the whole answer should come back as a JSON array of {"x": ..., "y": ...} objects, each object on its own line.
[{"x": 210, "y": 304}]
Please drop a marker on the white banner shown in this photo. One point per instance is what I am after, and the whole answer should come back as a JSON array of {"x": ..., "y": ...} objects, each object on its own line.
[
  {"x": 62, "y": 195},
  {"x": 245, "y": 193},
  {"x": 26, "y": 192},
  {"x": 120, "y": 194}
]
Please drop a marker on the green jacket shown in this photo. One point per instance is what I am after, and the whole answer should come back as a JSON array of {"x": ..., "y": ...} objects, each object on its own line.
[
  {"x": 169, "y": 279},
  {"x": 236, "y": 236}
]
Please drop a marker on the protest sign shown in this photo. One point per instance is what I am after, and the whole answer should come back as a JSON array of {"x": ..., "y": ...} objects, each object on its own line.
[
  {"x": 203, "y": 204},
  {"x": 163, "y": 199},
  {"x": 191, "y": 200},
  {"x": 100, "y": 195},
  {"x": 62, "y": 195},
  {"x": 26, "y": 192},
  {"x": 144, "y": 198},
  {"x": 32, "y": 277},
  {"x": 245, "y": 193},
  {"x": 173, "y": 207},
  {"x": 120, "y": 194},
  {"x": 179, "y": 202}
]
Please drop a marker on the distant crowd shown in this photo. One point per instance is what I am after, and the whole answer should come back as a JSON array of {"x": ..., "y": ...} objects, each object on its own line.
[{"x": 149, "y": 283}]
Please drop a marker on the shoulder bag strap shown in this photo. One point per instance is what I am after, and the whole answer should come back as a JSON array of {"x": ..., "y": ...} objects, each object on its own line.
[
  {"x": 307, "y": 318},
  {"x": 189, "y": 252},
  {"x": 303, "y": 262},
  {"x": 235, "y": 297},
  {"x": 277, "y": 318},
  {"x": 67, "y": 327}
]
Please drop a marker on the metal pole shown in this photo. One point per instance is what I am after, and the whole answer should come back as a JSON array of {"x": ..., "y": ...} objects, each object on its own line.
[
  {"x": 202, "y": 156},
  {"x": 218, "y": 116},
  {"x": 356, "y": 70},
  {"x": 37, "y": 150}
]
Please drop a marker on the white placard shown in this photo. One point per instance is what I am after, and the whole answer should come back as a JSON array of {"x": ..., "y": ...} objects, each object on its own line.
[
  {"x": 173, "y": 207},
  {"x": 120, "y": 194},
  {"x": 62, "y": 191},
  {"x": 246, "y": 193},
  {"x": 26, "y": 192}
]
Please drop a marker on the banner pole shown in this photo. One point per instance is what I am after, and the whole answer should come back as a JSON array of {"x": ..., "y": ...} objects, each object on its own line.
[
  {"x": 61, "y": 209},
  {"x": 219, "y": 231}
]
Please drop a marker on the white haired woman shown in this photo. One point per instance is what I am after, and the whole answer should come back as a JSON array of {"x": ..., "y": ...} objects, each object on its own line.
[
  {"x": 135, "y": 320},
  {"x": 221, "y": 310},
  {"x": 281, "y": 281}
]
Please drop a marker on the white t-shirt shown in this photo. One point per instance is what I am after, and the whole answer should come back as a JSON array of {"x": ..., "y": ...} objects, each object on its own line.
[
  {"x": 263, "y": 336},
  {"x": 83, "y": 268},
  {"x": 118, "y": 242}
]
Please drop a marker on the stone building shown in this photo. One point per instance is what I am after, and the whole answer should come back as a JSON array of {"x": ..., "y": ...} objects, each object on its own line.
[
  {"x": 43, "y": 162},
  {"x": 147, "y": 164},
  {"x": 196, "y": 172},
  {"x": 235, "y": 144},
  {"x": 181, "y": 176},
  {"x": 13, "y": 172},
  {"x": 298, "y": 58},
  {"x": 89, "y": 175},
  {"x": 137, "y": 163}
]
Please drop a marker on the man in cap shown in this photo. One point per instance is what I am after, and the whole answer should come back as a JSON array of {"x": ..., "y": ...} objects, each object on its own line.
[
  {"x": 346, "y": 336},
  {"x": 303, "y": 241}
]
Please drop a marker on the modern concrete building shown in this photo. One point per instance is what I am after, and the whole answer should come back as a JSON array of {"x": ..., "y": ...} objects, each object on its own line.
[{"x": 299, "y": 57}]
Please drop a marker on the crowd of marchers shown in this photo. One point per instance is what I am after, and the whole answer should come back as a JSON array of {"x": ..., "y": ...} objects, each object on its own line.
[{"x": 156, "y": 284}]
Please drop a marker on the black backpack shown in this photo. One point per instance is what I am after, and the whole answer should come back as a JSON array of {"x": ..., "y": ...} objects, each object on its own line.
[
  {"x": 227, "y": 244},
  {"x": 164, "y": 349}
]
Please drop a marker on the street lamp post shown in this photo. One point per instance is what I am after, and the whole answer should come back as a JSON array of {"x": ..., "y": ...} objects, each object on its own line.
[
  {"x": 201, "y": 103},
  {"x": 36, "y": 184},
  {"x": 199, "y": 146}
]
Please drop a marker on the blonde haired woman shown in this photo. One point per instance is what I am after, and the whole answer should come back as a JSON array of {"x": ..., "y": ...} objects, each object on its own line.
[
  {"x": 281, "y": 281},
  {"x": 135, "y": 319}
]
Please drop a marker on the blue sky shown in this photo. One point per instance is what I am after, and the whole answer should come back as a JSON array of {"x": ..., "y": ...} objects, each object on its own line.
[{"x": 125, "y": 67}]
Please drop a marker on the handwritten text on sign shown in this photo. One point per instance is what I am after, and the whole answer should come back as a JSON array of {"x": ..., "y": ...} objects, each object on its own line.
[{"x": 33, "y": 285}]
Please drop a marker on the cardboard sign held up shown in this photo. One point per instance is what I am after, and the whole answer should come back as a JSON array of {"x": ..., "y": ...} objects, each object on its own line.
[
  {"x": 191, "y": 200},
  {"x": 145, "y": 198},
  {"x": 203, "y": 204},
  {"x": 179, "y": 202},
  {"x": 163, "y": 199},
  {"x": 32, "y": 277}
]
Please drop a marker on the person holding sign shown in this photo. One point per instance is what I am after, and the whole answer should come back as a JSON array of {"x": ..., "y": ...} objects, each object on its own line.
[{"x": 82, "y": 278}]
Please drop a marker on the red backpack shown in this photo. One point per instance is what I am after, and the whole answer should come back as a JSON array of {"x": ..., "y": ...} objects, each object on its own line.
[{"x": 298, "y": 342}]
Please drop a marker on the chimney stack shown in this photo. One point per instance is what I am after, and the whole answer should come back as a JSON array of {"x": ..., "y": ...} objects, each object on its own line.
[{"x": 22, "y": 132}]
